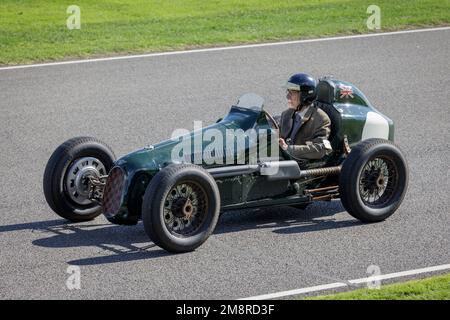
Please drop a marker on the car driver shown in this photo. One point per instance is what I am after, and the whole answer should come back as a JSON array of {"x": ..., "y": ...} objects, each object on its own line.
[{"x": 304, "y": 128}]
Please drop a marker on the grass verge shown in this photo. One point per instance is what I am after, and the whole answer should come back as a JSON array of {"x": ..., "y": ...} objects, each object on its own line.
[
  {"x": 433, "y": 288},
  {"x": 33, "y": 31}
]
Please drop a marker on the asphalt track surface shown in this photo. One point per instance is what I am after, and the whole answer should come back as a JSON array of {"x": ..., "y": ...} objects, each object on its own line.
[{"x": 131, "y": 103}]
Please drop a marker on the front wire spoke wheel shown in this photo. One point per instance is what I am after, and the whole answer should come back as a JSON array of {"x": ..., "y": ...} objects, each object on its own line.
[
  {"x": 181, "y": 207},
  {"x": 185, "y": 208}
]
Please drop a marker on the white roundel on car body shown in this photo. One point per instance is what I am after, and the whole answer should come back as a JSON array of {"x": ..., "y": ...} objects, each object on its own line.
[{"x": 376, "y": 126}]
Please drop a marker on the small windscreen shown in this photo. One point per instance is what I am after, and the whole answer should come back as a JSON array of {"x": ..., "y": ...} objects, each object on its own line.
[{"x": 251, "y": 101}]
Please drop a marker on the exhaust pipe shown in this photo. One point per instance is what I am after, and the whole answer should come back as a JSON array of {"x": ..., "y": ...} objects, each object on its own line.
[
  {"x": 320, "y": 172},
  {"x": 276, "y": 170}
]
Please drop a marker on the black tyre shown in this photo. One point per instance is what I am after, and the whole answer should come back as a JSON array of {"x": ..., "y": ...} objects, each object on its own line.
[
  {"x": 65, "y": 177},
  {"x": 181, "y": 207},
  {"x": 373, "y": 180}
]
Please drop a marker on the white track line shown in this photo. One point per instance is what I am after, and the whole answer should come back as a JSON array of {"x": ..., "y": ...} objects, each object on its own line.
[
  {"x": 343, "y": 284},
  {"x": 258, "y": 45}
]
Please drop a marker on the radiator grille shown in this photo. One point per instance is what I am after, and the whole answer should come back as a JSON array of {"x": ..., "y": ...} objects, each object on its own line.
[{"x": 112, "y": 195}]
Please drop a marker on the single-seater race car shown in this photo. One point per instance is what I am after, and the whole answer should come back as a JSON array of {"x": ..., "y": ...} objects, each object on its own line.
[{"x": 179, "y": 188}]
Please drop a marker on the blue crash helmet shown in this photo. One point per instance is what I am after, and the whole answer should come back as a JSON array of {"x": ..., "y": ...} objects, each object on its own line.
[{"x": 304, "y": 83}]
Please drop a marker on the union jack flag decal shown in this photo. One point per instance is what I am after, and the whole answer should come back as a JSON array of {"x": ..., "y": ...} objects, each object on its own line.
[{"x": 346, "y": 91}]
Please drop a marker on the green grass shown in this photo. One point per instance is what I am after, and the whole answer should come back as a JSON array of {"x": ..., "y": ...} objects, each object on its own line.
[
  {"x": 433, "y": 288},
  {"x": 33, "y": 30}
]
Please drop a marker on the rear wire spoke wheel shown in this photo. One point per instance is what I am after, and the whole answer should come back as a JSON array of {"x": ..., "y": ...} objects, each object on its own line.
[
  {"x": 378, "y": 181},
  {"x": 373, "y": 180},
  {"x": 180, "y": 207}
]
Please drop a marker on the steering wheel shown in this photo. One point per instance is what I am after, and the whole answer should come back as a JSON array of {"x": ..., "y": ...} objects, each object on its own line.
[{"x": 273, "y": 123}]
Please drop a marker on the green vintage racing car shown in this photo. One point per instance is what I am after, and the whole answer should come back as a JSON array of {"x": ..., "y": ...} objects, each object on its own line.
[{"x": 179, "y": 200}]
